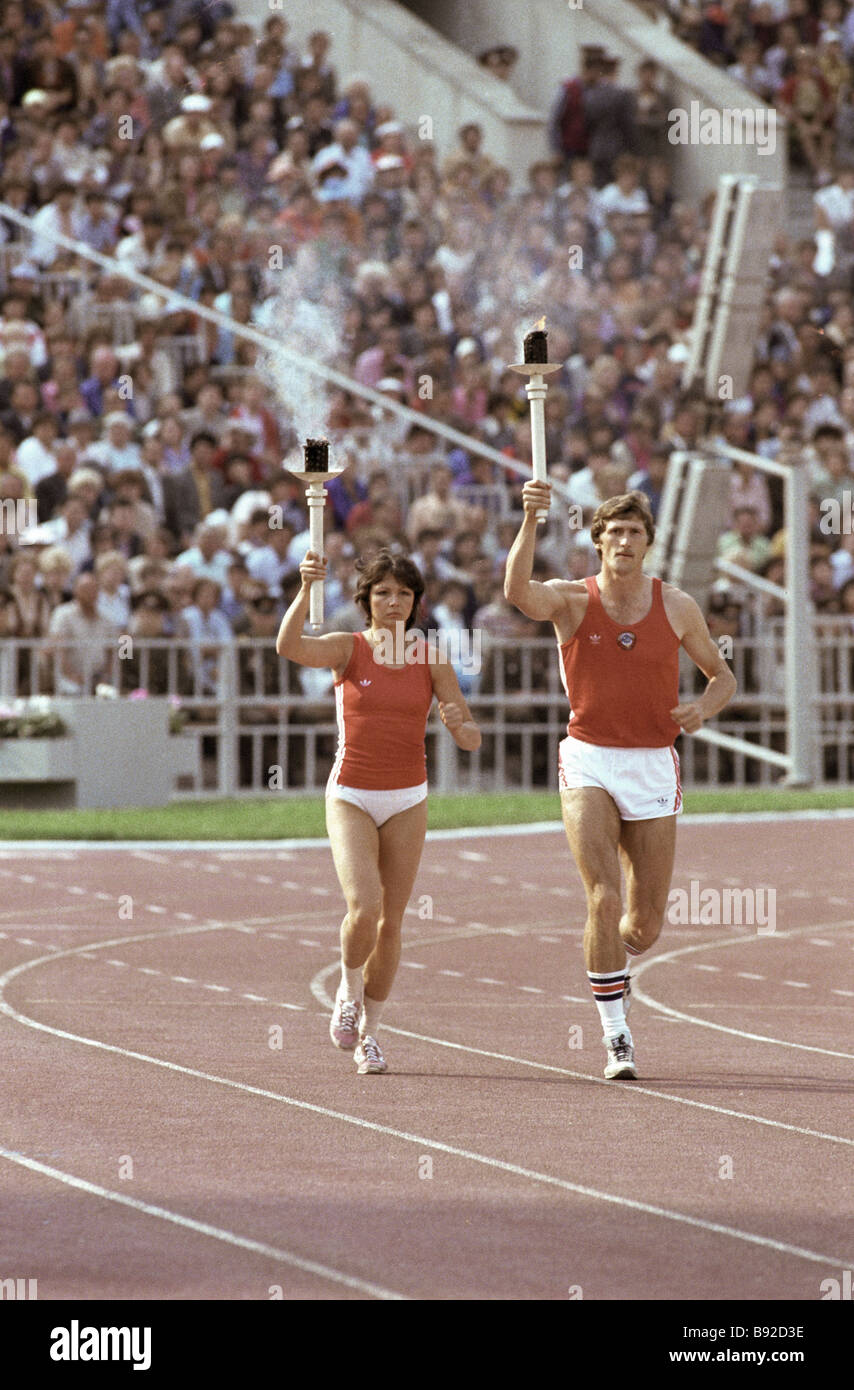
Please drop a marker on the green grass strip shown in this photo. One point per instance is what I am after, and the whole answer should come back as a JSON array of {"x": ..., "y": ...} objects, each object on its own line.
[{"x": 302, "y": 817}]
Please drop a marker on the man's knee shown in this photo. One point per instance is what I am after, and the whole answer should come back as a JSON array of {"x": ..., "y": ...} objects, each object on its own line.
[{"x": 641, "y": 929}]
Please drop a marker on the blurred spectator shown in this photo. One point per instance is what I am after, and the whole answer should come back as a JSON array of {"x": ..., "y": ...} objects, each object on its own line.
[
  {"x": 208, "y": 629},
  {"x": 745, "y": 545},
  {"x": 83, "y": 642}
]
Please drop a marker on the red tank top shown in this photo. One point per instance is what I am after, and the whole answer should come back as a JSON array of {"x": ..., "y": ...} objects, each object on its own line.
[
  {"x": 382, "y": 717},
  {"x": 622, "y": 679}
]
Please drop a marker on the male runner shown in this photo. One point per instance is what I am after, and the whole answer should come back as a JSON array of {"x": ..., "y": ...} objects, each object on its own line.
[{"x": 619, "y": 636}]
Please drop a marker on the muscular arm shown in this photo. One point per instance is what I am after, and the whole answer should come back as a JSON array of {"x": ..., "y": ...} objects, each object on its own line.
[
  {"x": 697, "y": 641},
  {"x": 542, "y": 602}
]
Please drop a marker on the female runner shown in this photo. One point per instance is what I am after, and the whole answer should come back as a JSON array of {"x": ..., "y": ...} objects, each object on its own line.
[{"x": 376, "y": 796}]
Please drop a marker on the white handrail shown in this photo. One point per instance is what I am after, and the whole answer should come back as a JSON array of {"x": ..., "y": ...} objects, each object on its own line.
[{"x": 799, "y": 638}]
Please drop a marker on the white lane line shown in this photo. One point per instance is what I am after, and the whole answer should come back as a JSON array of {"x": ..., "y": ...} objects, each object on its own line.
[
  {"x": 849, "y": 993},
  {"x": 531, "y": 989},
  {"x": 320, "y": 993},
  {"x": 470, "y": 1155},
  {"x": 485, "y": 980},
  {"x": 796, "y": 984},
  {"x": 746, "y": 975},
  {"x": 457, "y": 974},
  {"x": 716, "y": 968},
  {"x": 203, "y": 1228},
  {"x": 639, "y": 970}
]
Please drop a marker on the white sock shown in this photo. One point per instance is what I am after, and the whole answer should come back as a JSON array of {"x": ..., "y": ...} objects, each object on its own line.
[
  {"x": 371, "y": 1012},
  {"x": 608, "y": 992},
  {"x": 351, "y": 987}
]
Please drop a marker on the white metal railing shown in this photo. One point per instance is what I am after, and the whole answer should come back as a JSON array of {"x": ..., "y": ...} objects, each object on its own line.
[
  {"x": 800, "y": 761},
  {"x": 265, "y": 725}
]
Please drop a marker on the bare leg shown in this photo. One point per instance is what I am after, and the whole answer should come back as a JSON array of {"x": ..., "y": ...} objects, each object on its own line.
[
  {"x": 592, "y": 825},
  {"x": 355, "y": 851},
  {"x": 647, "y": 849},
  {"x": 401, "y": 841}
]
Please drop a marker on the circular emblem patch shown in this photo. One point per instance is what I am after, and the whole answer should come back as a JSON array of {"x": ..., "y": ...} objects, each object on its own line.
[{"x": 627, "y": 640}]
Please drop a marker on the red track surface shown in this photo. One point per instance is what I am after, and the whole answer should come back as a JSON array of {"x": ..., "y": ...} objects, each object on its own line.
[{"x": 492, "y": 1161}]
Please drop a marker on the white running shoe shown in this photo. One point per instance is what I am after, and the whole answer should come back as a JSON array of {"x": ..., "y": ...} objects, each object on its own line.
[
  {"x": 368, "y": 1056},
  {"x": 344, "y": 1024},
  {"x": 620, "y": 1065}
]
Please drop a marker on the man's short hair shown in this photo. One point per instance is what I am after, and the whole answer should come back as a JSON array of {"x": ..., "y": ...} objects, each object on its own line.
[{"x": 623, "y": 505}]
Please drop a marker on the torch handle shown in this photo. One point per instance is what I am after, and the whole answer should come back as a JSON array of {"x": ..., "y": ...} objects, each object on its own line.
[
  {"x": 316, "y": 497},
  {"x": 537, "y": 390}
]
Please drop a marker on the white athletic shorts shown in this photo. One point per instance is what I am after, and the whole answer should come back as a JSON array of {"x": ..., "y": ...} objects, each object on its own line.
[
  {"x": 643, "y": 782},
  {"x": 379, "y": 805}
]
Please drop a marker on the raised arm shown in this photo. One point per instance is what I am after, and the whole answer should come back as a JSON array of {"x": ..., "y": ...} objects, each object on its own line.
[
  {"x": 333, "y": 649},
  {"x": 542, "y": 602}
]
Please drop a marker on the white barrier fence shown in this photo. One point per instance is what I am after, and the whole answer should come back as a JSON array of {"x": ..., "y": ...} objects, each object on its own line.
[{"x": 262, "y": 725}]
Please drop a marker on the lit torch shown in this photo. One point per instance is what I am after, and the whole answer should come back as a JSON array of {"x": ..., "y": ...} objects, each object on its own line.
[
  {"x": 536, "y": 367},
  {"x": 315, "y": 474}
]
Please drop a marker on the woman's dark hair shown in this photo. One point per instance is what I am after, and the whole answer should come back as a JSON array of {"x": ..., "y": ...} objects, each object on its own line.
[{"x": 383, "y": 564}]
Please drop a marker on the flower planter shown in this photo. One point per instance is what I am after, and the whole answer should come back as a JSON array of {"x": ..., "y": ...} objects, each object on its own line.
[
  {"x": 37, "y": 759},
  {"x": 118, "y": 753}
]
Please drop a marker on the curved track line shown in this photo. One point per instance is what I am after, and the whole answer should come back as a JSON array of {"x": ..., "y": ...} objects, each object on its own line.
[
  {"x": 721, "y": 1027},
  {"x": 318, "y": 989},
  {"x": 484, "y": 1160},
  {"x": 201, "y": 1228},
  {"x": 255, "y": 1247}
]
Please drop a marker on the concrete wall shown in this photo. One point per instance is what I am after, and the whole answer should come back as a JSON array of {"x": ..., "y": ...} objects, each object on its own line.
[
  {"x": 117, "y": 753},
  {"x": 419, "y": 72},
  {"x": 548, "y": 35}
]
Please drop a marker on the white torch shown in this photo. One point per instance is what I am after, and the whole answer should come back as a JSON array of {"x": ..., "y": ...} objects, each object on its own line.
[
  {"x": 315, "y": 475},
  {"x": 537, "y": 367}
]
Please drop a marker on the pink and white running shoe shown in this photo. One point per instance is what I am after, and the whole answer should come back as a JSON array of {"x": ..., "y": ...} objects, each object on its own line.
[{"x": 344, "y": 1024}]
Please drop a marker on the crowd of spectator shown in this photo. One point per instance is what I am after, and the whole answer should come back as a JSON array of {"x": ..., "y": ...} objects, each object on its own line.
[
  {"x": 797, "y": 55},
  {"x": 192, "y": 146}
]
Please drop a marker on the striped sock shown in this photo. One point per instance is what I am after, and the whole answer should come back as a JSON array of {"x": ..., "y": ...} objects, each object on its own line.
[{"x": 608, "y": 989}]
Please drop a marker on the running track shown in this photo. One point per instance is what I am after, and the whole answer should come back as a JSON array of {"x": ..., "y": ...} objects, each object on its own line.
[{"x": 177, "y": 1125}]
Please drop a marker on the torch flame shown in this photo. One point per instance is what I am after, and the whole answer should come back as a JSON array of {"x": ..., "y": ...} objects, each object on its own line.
[{"x": 540, "y": 325}]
